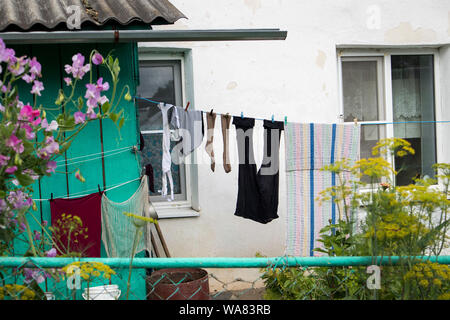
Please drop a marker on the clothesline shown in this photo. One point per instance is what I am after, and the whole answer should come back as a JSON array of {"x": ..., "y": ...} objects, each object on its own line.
[
  {"x": 242, "y": 115},
  {"x": 92, "y": 159},
  {"x": 88, "y": 192},
  {"x": 95, "y": 154},
  {"x": 361, "y": 123}
]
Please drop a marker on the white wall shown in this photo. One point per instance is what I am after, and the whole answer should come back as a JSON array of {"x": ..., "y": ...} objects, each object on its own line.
[{"x": 296, "y": 78}]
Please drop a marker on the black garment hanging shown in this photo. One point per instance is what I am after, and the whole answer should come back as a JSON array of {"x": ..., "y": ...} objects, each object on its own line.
[
  {"x": 149, "y": 174},
  {"x": 268, "y": 175},
  {"x": 257, "y": 191}
]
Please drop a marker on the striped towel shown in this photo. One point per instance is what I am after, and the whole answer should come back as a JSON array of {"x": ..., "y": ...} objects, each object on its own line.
[{"x": 308, "y": 148}]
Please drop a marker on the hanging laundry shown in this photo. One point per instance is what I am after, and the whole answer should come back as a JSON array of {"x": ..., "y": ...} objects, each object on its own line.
[
  {"x": 258, "y": 191},
  {"x": 210, "y": 123},
  {"x": 268, "y": 175},
  {"x": 309, "y": 147},
  {"x": 166, "y": 158},
  {"x": 225, "y": 122},
  {"x": 141, "y": 142},
  {"x": 189, "y": 130},
  {"x": 149, "y": 174},
  {"x": 88, "y": 209},
  {"x": 118, "y": 230}
]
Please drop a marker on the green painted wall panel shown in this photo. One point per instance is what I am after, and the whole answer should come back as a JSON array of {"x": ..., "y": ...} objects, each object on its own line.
[{"x": 118, "y": 168}]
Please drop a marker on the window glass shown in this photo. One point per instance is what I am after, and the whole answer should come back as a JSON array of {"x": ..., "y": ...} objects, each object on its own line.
[
  {"x": 159, "y": 81},
  {"x": 363, "y": 100},
  {"x": 413, "y": 100},
  {"x": 360, "y": 90}
]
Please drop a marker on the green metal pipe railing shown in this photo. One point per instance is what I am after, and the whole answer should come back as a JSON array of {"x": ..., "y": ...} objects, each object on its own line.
[{"x": 217, "y": 262}]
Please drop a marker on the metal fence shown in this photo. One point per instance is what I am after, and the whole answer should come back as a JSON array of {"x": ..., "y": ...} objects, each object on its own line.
[{"x": 299, "y": 278}]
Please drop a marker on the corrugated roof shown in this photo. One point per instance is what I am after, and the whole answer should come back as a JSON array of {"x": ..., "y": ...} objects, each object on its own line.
[{"x": 51, "y": 14}]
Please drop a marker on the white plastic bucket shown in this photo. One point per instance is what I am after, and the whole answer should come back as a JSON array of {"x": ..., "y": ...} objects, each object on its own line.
[{"x": 106, "y": 292}]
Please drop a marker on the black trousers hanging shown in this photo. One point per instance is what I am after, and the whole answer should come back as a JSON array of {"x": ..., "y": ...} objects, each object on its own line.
[{"x": 258, "y": 191}]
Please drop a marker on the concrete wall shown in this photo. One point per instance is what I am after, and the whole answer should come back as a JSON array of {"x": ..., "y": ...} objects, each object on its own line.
[{"x": 296, "y": 78}]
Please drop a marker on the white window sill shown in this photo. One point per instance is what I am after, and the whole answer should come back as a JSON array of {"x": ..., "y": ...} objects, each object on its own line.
[{"x": 166, "y": 210}]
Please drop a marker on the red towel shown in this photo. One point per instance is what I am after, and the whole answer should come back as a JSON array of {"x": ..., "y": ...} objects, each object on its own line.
[{"x": 88, "y": 209}]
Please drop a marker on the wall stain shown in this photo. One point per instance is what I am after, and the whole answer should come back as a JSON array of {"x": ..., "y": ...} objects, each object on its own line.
[
  {"x": 404, "y": 33},
  {"x": 254, "y": 5},
  {"x": 231, "y": 85},
  {"x": 320, "y": 59}
]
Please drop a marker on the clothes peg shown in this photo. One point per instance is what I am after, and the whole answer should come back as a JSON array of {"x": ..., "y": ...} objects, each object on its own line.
[
  {"x": 187, "y": 106},
  {"x": 356, "y": 121},
  {"x": 211, "y": 113},
  {"x": 99, "y": 190},
  {"x": 242, "y": 115},
  {"x": 285, "y": 120},
  {"x": 51, "y": 197},
  {"x": 272, "y": 118}
]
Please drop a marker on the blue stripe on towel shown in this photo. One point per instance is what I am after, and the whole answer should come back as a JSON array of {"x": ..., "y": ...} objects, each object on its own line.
[
  {"x": 333, "y": 175},
  {"x": 311, "y": 191}
]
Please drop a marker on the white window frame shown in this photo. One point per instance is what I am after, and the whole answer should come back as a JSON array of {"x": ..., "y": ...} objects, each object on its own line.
[
  {"x": 385, "y": 55},
  {"x": 190, "y": 206}
]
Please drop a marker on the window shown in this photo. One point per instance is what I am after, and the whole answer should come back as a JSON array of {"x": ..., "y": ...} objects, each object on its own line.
[
  {"x": 160, "y": 80},
  {"x": 393, "y": 88}
]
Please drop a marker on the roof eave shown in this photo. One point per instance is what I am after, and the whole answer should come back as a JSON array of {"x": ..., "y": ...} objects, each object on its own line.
[{"x": 142, "y": 36}]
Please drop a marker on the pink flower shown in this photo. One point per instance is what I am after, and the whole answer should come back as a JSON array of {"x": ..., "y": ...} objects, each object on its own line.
[
  {"x": 15, "y": 143},
  {"x": 77, "y": 69},
  {"x": 19, "y": 199},
  {"x": 51, "y": 253},
  {"x": 97, "y": 58},
  {"x": 93, "y": 94},
  {"x": 102, "y": 86},
  {"x": 80, "y": 117},
  {"x": 29, "y": 78},
  {"x": 51, "y": 147},
  {"x": 28, "y": 132},
  {"x": 79, "y": 176},
  {"x": 91, "y": 114},
  {"x": 51, "y": 166},
  {"x": 49, "y": 127},
  {"x": 17, "y": 65},
  {"x": 11, "y": 170},
  {"x": 4, "y": 160},
  {"x": 8, "y": 55},
  {"x": 37, "y": 87},
  {"x": 35, "y": 67},
  {"x": 34, "y": 275},
  {"x": 28, "y": 114},
  {"x": 68, "y": 81}
]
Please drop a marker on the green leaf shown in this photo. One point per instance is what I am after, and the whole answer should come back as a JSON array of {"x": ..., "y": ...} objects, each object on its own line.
[
  {"x": 114, "y": 117},
  {"x": 105, "y": 107},
  {"x": 24, "y": 180},
  {"x": 121, "y": 122},
  {"x": 80, "y": 103}
]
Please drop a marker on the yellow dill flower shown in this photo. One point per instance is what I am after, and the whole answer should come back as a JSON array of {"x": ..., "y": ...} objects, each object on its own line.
[
  {"x": 423, "y": 283},
  {"x": 437, "y": 282},
  {"x": 139, "y": 221},
  {"x": 444, "y": 296}
]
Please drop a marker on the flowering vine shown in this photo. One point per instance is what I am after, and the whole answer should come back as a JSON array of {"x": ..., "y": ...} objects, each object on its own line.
[{"x": 30, "y": 141}]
